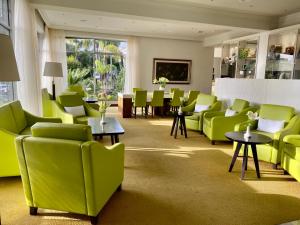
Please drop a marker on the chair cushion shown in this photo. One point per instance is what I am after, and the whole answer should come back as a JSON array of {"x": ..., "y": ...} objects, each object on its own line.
[
  {"x": 230, "y": 112},
  {"x": 26, "y": 131},
  {"x": 270, "y": 126},
  {"x": 200, "y": 108},
  {"x": 76, "y": 132},
  {"x": 19, "y": 115},
  {"x": 276, "y": 112},
  {"x": 70, "y": 100},
  {"x": 270, "y": 135},
  {"x": 75, "y": 110},
  {"x": 195, "y": 116}
]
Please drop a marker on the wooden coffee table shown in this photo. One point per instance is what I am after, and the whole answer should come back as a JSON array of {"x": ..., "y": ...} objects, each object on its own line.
[
  {"x": 253, "y": 141},
  {"x": 111, "y": 127}
]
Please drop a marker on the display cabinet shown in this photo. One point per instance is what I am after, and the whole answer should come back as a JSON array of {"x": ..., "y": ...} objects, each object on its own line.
[
  {"x": 281, "y": 55},
  {"x": 296, "y": 74},
  {"x": 229, "y": 58}
]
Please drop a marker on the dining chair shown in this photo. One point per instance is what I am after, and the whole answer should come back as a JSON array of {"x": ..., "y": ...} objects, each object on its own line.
[
  {"x": 175, "y": 101},
  {"x": 157, "y": 100},
  {"x": 140, "y": 100},
  {"x": 192, "y": 96}
]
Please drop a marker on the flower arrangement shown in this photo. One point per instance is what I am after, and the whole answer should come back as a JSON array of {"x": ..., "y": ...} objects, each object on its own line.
[
  {"x": 252, "y": 117},
  {"x": 104, "y": 103},
  {"x": 162, "y": 81}
]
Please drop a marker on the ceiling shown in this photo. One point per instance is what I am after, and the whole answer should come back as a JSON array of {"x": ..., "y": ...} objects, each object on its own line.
[{"x": 197, "y": 20}]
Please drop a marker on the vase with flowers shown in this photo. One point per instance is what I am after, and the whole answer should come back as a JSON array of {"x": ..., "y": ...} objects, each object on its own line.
[
  {"x": 252, "y": 116},
  {"x": 104, "y": 103},
  {"x": 162, "y": 81}
]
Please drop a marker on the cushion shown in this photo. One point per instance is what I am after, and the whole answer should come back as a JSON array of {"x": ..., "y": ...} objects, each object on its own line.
[
  {"x": 271, "y": 126},
  {"x": 230, "y": 112},
  {"x": 76, "y": 132},
  {"x": 26, "y": 131},
  {"x": 75, "y": 110},
  {"x": 200, "y": 108},
  {"x": 70, "y": 100}
]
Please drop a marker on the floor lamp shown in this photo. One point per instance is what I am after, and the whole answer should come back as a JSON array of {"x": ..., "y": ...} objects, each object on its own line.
[
  {"x": 8, "y": 65},
  {"x": 53, "y": 69}
]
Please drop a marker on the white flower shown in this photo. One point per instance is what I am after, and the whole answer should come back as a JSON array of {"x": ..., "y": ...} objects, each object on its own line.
[{"x": 252, "y": 116}]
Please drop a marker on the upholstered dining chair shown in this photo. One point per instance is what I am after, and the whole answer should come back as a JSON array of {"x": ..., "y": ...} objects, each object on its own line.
[
  {"x": 157, "y": 100},
  {"x": 175, "y": 101},
  {"x": 140, "y": 101}
]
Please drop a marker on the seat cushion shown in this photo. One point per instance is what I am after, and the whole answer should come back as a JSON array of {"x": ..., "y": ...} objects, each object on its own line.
[
  {"x": 270, "y": 135},
  {"x": 292, "y": 151},
  {"x": 81, "y": 119},
  {"x": 195, "y": 116},
  {"x": 26, "y": 131}
]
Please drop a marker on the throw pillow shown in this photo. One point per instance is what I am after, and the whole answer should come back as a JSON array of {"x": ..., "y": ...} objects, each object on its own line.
[
  {"x": 229, "y": 112},
  {"x": 270, "y": 126},
  {"x": 200, "y": 108},
  {"x": 76, "y": 110}
]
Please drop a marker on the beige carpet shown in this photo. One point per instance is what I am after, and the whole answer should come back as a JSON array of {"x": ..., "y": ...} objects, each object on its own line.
[{"x": 175, "y": 182}]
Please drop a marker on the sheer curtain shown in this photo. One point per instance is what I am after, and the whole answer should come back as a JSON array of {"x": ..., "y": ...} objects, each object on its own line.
[
  {"x": 25, "y": 42},
  {"x": 132, "y": 65}
]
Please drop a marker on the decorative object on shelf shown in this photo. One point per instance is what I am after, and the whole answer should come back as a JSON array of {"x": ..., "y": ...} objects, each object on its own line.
[
  {"x": 251, "y": 116},
  {"x": 177, "y": 71},
  {"x": 103, "y": 105},
  {"x": 53, "y": 69},
  {"x": 244, "y": 53},
  {"x": 289, "y": 50},
  {"x": 162, "y": 81}
]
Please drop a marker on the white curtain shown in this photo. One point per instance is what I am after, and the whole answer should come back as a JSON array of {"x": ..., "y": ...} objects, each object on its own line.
[
  {"x": 132, "y": 65},
  {"x": 25, "y": 42},
  {"x": 45, "y": 56}
]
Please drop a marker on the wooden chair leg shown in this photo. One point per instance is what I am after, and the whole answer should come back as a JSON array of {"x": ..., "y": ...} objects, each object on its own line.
[
  {"x": 119, "y": 188},
  {"x": 135, "y": 112},
  {"x": 152, "y": 111},
  {"x": 94, "y": 220},
  {"x": 33, "y": 211}
]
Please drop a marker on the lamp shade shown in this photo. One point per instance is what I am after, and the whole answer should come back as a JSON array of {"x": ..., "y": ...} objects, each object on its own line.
[
  {"x": 53, "y": 69},
  {"x": 8, "y": 64}
]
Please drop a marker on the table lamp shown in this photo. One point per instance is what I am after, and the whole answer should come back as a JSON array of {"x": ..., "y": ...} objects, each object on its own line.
[
  {"x": 53, "y": 69},
  {"x": 8, "y": 64}
]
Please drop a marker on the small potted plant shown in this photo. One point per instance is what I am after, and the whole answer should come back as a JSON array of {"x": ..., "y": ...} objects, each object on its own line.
[
  {"x": 162, "y": 81},
  {"x": 104, "y": 103},
  {"x": 252, "y": 117}
]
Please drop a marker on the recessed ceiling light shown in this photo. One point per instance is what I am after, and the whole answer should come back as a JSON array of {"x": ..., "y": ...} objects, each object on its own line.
[
  {"x": 245, "y": 1},
  {"x": 83, "y": 21}
]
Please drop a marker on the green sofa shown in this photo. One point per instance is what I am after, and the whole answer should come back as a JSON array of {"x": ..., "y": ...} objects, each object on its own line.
[
  {"x": 195, "y": 121},
  {"x": 272, "y": 152},
  {"x": 14, "y": 122},
  {"x": 216, "y": 124},
  {"x": 63, "y": 169},
  {"x": 71, "y": 100},
  {"x": 290, "y": 160}
]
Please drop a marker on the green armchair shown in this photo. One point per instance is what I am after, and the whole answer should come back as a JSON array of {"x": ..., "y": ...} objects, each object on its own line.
[
  {"x": 290, "y": 160},
  {"x": 72, "y": 100},
  {"x": 216, "y": 124},
  {"x": 195, "y": 121},
  {"x": 63, "y": 169},
  {"x": 14, "y": 122},
  {"x": 272, "y": 152}
]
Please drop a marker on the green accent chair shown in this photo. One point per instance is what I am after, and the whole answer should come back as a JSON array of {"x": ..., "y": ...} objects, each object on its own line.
[
  {"x": 140, "y": 100},
  {"x": 157, "y": 100},
  {"x": 175, "y": 100},
  {"x": 63, "y": 169},
  {"x": 216, "y": 124},
  {"x": 195, "y": 121},
  {"x": 192, "y": 96},
  {"x": 76, "y": 88},
  {"x": 290, "y": 160},
  {"x": 272, "y": 152},
  {"x": 72, "y": 100},
  {"x": 47, "y": 103},
  {"x": 14, "y": 122}
]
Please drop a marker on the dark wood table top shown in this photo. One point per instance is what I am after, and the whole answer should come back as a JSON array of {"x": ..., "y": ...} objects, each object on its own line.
[
  {"x": 90, "y": 99},
  {"x": 111, "y": 126},
  {"x": 254, "y": 139}
]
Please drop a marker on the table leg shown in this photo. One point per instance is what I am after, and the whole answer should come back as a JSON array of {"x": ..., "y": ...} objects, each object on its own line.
[
  {"x": 176, "y": 127},
  {"x": 181, "y": 128},
  {"x": 245, "y": 158},
  {"x": 116, "y": 138},
  {"x": 112, "y": 139},
  {"x": 255, "y": 158},
  {"x": 235, "y": 155},
  {"x": 173, "y": 126},
  {"x": 184, "y": 127}
]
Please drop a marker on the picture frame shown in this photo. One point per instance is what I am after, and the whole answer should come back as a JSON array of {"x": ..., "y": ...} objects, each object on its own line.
[{"x": 177, "y": 71}]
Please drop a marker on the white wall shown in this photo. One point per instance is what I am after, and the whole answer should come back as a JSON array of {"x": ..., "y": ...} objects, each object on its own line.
[
  {"x": 202, "y": 61},
  {"x": 260, "y": 91}
]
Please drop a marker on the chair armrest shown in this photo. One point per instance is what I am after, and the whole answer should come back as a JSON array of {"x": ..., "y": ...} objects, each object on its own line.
[
  {"x": 103, "y": 170},
  {"x": 211, "y": 114},
  {"x": 216, "y": 106},
  {"x": 58, "y": 111},
  {"x": 222, "y": 121},
  {"x": 293, "y": 139},
  {"x": 91, "y": 111},
  {"x": 189, "y": 108},
  {"x": 32, "y": 119},
  {"x": 243, "y": 125}
]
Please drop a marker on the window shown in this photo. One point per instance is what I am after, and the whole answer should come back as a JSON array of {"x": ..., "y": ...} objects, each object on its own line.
[
  {"x": 6, "y": 88},
  {"x": 97, "y": 65}
]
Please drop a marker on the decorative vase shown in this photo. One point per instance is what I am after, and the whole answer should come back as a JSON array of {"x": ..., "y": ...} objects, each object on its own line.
[
  {"x": 247, "y": 134},
  {"x": 102, "y": 121},
  {"x": 161, "y": 88}
]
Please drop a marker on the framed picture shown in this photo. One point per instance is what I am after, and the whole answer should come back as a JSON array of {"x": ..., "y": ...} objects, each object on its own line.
[{"x": 177, "y": 71}]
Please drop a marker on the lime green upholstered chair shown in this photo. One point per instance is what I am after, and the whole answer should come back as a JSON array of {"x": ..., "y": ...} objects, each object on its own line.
[
  {"x": 140, "y": 100},
  {"x": 175, "y": 101},
  {"x": 72, "y": 101},
  {"x": 63, "y": 169},
  {"x": 290, "y": 160},
  {"x": 157, "y": 100},
  {"x": 272, "y": 152},
  {"x": 78, "y": 89},
  {"x": 203, "y": 104},
  {"x": 216, "y": 124},
  {"x": 14, "y": 122},
  {"x": 192, "y": 96},
  {"x": 47, "y": 103}
]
